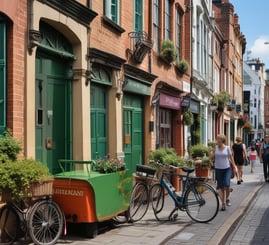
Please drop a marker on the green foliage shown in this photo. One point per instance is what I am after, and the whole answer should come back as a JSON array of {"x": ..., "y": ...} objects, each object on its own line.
[
  {"x": 188, "y": 118},
  {"x": 168, "y": 51},
  {"x": 182, "y": 65},
  {"x": 108, "y": 165},
  {"x": 166, "y": 156},
  {"x": 221, "y": 99},
  {"x": 206, "y": 162},
  {"x": 17, "y": 176},
  {"x": 211, "y": 145},
  {"x": 9, "y": 148},
  {"x": 199, "y": 151}
]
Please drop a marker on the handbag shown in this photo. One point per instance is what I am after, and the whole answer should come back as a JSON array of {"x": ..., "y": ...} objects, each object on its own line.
[{"x": 232, "y": 171}]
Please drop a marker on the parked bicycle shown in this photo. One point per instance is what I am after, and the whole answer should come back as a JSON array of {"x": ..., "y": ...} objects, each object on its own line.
[
  {"x": 197, "y": 198},
  {"x": 139, "y": 201},
  {"x": 42, "y": 220}
]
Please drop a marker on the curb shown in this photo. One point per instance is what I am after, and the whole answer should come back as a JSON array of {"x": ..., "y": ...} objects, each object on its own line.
[{"x": 228, "y": 227}]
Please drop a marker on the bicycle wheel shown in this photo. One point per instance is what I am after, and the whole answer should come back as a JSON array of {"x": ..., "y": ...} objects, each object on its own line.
[
  {"x": 157, "y": 199},
  {"x": 45, "y": 222},
  {"x": 202, "y": 202},
  {"x": 139, "y": 202},
  {"x": 9, "y": 224}
]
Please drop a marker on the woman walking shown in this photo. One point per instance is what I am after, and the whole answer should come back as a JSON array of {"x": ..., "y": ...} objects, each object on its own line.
[
  {"x": 239, "y": 156},
  {"x": 223, "y": 157}
]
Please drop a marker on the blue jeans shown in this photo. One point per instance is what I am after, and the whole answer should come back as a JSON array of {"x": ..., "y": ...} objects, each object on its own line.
[{"x": 223, "y": 177}]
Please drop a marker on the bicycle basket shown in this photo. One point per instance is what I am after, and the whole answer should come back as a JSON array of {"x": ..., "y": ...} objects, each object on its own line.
[{"x": 145, "y": 171}]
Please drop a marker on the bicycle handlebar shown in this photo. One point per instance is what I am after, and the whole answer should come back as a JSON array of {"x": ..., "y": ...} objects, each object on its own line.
[{"x": 184, "y": 168}]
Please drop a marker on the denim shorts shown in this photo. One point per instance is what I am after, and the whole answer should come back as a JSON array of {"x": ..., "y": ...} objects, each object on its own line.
[{"x": 223, "y": 177}]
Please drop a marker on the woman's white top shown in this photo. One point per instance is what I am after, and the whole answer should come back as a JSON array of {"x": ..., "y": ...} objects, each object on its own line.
[{"x": 222, "y": 157}]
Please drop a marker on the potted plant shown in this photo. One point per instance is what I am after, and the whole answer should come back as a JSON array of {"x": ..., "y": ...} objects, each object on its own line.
[
  {"x": 200, "y": 154},
  {"x": 108, "y": 165},
  {"x": 168, "y": 51},
  {"x": 168, "y": 156},
  {"x": 182, "y": 66},
  {"x": 188, "y": 118},
  {"x": 221, "y": 100},
  {"x": 19, "y": 178}
]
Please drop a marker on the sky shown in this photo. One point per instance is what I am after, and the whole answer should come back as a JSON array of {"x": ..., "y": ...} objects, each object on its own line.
[{"x": 254, "y": 25}]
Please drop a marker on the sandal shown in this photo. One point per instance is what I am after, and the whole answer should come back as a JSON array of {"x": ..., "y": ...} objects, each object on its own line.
[{"x": 223, "y": 208}]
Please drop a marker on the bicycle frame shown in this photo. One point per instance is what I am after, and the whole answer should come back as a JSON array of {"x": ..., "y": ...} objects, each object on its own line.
[{"x": 179, "y": 199}]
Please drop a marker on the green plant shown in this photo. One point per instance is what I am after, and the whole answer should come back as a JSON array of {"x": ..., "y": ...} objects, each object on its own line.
[
  {"x": 168, "y": 51},
  {"x": 166, "y": 156},
  {"x": 182, "y": 65},
  {"x": 17, "y": 176},
  {"x": 206, "y": 162},
  {"x": 188, "y": 118},
  {"x": 189, "y": 163},
  {"x": 108, "y": 165},
  {"x": 211, "y": 145},
  {"x": 9, "y": 148},
  {"x": 199, "y": 151},
  {"x": 221, "y": 99}
]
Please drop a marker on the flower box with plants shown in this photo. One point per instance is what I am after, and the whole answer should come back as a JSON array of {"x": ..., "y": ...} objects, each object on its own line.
[
  {"x": 108, "y": 165},
  {"x": 23, "y": 179}
]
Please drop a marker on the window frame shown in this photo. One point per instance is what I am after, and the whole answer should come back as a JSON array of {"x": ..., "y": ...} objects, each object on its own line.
[
  {"x": 112, "y": 10},
  {"x": 138, "y": 15}
]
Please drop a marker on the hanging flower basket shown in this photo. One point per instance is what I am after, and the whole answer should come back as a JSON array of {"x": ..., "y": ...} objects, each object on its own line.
[{"x": 188, "y": 118}]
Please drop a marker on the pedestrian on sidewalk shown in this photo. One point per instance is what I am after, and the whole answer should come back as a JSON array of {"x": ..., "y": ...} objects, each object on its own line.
[
  {"x": 252, "y": 158},
  {"x": 223, "y": 157},
  {"x": 239, "y": 156},
  {"x": 264, "y": 157}
]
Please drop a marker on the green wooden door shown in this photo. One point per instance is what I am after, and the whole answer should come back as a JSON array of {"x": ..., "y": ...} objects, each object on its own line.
[
  {"x": 53, "y": 111},
  {"x": 98, "y": 121},
  {"x": 133, "y": 131}
]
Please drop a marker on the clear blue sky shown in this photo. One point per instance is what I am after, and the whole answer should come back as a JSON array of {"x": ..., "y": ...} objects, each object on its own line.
[{"x": 254, "y": 24}]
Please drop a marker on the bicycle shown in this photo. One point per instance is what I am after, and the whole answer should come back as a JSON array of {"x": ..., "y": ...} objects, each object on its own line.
[
  {"x": 139, "y": 201},
  {"x": 198, "y": 199},
  {"x": 42, "y": 220}
]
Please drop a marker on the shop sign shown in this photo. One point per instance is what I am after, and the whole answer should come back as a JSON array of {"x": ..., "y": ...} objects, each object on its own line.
[{"x": 169, "y": 101}]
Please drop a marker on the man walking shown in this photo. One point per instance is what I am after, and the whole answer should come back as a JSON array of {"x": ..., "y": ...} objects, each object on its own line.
[{"x": 264, "y": 157}]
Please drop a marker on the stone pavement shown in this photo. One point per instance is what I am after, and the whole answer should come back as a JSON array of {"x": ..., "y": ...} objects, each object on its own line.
[
  {"x": 254, "y": 226},
  {"x": 183, "y": 230}
]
